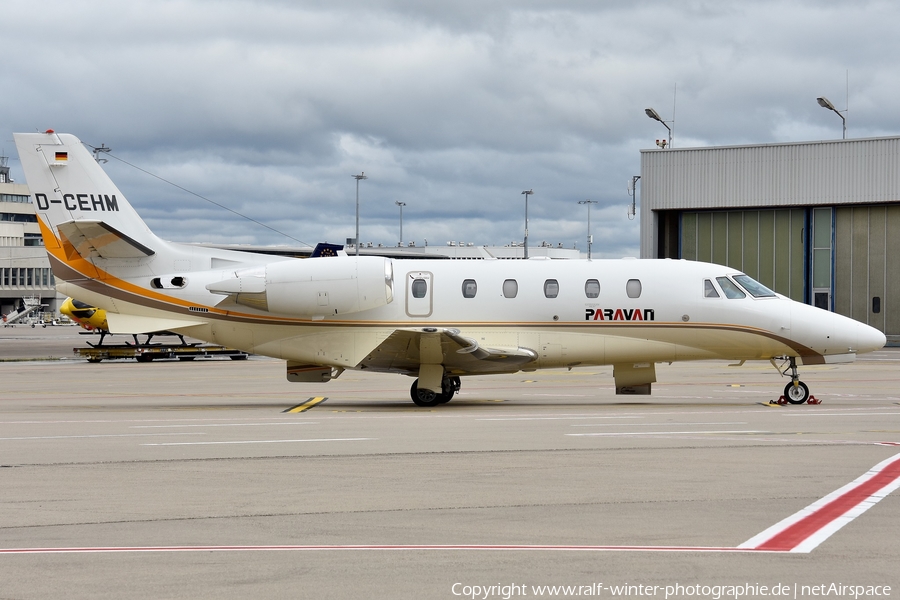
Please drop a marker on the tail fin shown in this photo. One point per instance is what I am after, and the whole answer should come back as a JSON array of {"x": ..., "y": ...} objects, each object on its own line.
[{"x": 81, "y": 212}]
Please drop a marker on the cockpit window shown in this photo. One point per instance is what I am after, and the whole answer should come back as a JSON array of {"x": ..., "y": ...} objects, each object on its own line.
[
  {"x": 709, "y": 290},
  {"x": 756, "y": 289},
  {"x": 732, "y": 291}
]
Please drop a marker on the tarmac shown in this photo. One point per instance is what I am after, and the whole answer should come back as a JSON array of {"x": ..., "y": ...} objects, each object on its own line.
[{"x": 219, "y": 479}]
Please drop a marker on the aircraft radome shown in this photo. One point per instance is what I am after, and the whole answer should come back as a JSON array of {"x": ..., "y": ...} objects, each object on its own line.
[{"x": 435, "y": 320}]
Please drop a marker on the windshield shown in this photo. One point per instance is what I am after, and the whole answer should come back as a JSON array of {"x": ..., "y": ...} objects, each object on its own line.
[
  {"x": 732, "y": 291},
  {"x": 756, "y": 289}
]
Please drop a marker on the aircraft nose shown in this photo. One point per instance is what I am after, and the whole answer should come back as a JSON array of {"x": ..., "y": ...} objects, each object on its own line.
[{"x": 870, "y": 339}]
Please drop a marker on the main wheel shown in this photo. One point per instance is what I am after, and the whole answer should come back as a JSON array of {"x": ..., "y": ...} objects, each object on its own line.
[
  {"x": 449, "y": 387},
  {"x": 796, "y": 394},
  {"x": 424, "y": 397}
]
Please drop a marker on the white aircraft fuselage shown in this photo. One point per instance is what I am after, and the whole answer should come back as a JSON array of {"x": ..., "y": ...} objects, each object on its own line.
[{"x": 435, "y": 320}]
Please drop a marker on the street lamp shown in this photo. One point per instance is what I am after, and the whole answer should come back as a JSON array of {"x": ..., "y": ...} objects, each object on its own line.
[
  {"x": 527, "y": 193},
  {"x": 362, "y": 175},
  {"x": 401, "y": 205},
  {"x": 655, "y": 116},
  {"x": 590, "y": 238},
  {"x": 826, "y": 103}
]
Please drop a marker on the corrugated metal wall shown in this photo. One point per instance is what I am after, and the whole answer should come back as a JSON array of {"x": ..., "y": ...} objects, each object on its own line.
[
  {"x": 803, "y": 174},
  {"x": 765, "y": 244},
  {"x": 866, "y": 271}
]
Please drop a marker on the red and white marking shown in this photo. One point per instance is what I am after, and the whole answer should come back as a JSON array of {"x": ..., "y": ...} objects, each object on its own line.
[{"x": 806, "y": 529}]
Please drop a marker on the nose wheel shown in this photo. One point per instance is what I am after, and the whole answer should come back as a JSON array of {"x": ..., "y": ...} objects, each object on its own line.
[{"x": 796, "y": 392}]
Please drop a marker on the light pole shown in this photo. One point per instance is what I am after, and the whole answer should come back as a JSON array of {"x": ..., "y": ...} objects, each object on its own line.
[
  {"x": 401, "y": 205},
  {"x": 655, "y": 116},
  {"x": 527, "y": 193},
  {"x": 362, "y": 175},
  {"x": 826, "y": 103},
  {"x": 590, "y": 238}
]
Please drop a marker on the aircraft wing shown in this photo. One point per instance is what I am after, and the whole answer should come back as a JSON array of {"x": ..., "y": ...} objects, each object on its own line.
[{"x": 405, "y": 350}]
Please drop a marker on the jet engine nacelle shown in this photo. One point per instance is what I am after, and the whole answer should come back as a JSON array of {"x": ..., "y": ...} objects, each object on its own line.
[{"x": 315, "y": 287}]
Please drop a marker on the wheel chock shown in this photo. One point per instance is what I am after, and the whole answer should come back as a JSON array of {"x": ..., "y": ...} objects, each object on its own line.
[{"x": 781, "y": 401}]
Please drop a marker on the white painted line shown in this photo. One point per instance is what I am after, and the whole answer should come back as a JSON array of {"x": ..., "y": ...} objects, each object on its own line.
[
  {"x": 79, "y": 437},
  {"x": 818, "y": 414},
  {"x": 611, "y": 434},
  {"x": 223, "y": 425},
  {"x": 259, "y": 442},
  {"x": 575, "y": 418},
  {"x": 655, "y": 424}
]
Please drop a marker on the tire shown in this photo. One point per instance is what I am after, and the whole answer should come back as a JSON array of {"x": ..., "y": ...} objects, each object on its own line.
[
  {"x": 425, "y": 398},
  {"x": 449, "y": 387},
  {"x": 796, "y": 394},
  {"x": 238, "y": 357},
  {"x": 143, "y": 358},
  {"x": 94, "y": 360}
]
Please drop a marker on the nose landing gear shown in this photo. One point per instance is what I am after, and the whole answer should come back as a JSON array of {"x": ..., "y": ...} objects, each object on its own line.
[{"x": 796, "y": 392}]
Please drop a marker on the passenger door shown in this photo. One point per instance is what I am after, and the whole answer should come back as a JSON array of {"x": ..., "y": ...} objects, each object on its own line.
[{"x": 419, "y": 294}]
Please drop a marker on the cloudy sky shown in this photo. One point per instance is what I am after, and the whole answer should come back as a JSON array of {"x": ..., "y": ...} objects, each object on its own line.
[{"x": 269, "y": 107}]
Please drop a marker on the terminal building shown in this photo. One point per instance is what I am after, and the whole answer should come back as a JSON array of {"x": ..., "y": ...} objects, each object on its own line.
[
  {"x": 818, "y": 222},
  {"x": 25, "y": 276}
]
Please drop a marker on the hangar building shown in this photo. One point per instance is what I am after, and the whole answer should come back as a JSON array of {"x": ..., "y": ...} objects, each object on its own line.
[{"x": 816, "y": 221}]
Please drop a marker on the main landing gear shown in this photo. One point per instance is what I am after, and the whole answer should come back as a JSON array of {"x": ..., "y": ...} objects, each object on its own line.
[
  {"x": 449, "y": 386},
  {"x": 796, "y": 392}
]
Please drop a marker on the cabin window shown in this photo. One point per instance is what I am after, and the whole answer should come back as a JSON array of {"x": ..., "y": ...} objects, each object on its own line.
[
  {"x": 469, "y": 288},
  {"x": 419, "y": 288},
  {"x": 756, "y": 289},
  {"x": 633, "y": 288},
  {"x": 510, "y": 288},
  {"x": 551, "y": 288},
  {"x": 732, "y": 291},
  {"x": 709, "y": 290},
  {"x": 592, "y": 288}
]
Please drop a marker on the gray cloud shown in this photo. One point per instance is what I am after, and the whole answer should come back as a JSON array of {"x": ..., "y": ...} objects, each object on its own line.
[{"x": 453, "y": 108}]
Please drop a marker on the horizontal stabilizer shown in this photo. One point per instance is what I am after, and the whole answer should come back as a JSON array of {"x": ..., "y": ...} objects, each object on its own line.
[
  {"x": 132, "y": 324},
  {"x": 96, "y": 239},
  {"x": 325, "y": 249}
]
